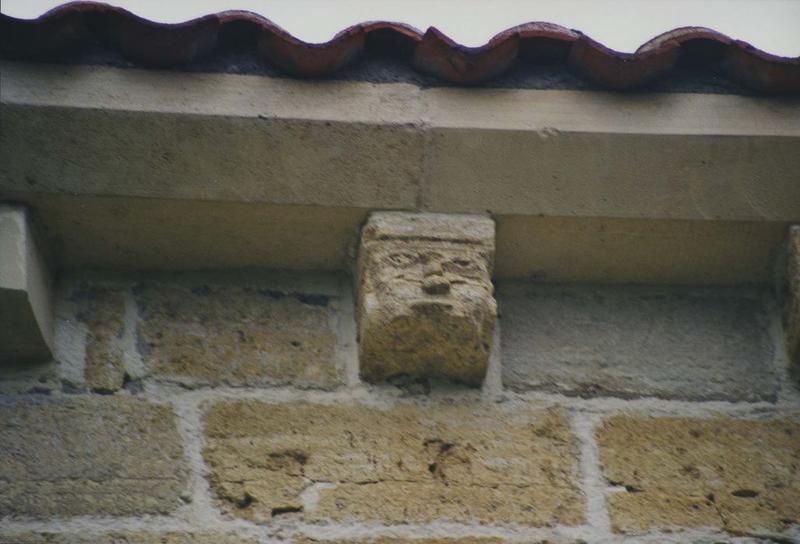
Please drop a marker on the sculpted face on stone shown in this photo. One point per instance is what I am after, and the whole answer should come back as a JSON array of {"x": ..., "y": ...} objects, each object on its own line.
[{"x": 425, "y": 304}]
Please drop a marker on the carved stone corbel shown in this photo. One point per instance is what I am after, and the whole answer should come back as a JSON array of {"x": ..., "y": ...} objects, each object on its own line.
[{"x": 425, "y": 297}]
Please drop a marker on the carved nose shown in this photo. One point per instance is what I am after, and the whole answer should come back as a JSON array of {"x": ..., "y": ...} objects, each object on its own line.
[{"x": 434, "y": 282}]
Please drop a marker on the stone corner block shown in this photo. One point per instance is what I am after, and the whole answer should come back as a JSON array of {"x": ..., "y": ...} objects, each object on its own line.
[
  {"x": 791, "y": 309},
  {"x": 26, "y": 307},
  {"x": 425, "y": 297}
]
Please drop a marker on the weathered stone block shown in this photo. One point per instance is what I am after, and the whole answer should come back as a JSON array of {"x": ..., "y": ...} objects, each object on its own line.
[
  {"x": 737, "y": 476},
  {"x": 443, "y": 540},
  {"x": 26, "y": 306},
  {"x": 400, "y": 540},
  {"x": 128, "y": 538},
  {"x": 103, "y": 456},
  {"x": 637, "y": 341},
  {"x": 791, "y": 312},
  {"x": 425, "y": 304},
  {"x": 103, "y": 311},
  {"x": 230, "y": 335},
  {"x": 410, "y": 464}
]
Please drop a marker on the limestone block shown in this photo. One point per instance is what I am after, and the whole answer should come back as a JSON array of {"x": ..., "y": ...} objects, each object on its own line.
[
  {"x": 731, "y": 475},
  {"x": 119, "y": 537},
  {"x": 275, "y": 333},
  {"x": 98, "y": 455},
  {"x": 26, "y": 307},
  {"x": 634, "y": 341},
  {"x": 423, "y": 540},
  {"x": 399, "y": 540},
  {"x": 425, "y": 297},
  {"x": 103, "y": 311},
  {"x": 451, "y": 461},
  {"x": 791, "y": 312}
]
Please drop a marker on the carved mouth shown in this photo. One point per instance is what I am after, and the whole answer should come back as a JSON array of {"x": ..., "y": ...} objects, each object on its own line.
[{"x": 431, "y": 305}]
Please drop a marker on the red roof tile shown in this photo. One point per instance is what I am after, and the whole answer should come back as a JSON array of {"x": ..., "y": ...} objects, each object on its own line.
[{"x": 76, "y": 25}]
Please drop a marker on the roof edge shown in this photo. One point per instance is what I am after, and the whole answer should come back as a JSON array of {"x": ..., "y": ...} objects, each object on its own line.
[{"x": 76, "y": 25}]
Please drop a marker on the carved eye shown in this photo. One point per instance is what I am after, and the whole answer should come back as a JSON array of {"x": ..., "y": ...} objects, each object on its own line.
[
  {"x": 461, "y": 266},
  {"x": 402, "y": 259}
]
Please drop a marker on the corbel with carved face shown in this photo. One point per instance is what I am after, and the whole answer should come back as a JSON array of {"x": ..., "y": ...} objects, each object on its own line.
[{"x": 425, "y": 298}]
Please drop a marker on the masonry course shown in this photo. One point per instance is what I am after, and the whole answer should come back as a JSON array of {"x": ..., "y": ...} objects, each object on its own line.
[
  {"x": 285, "y": 460},
  {"x": 738, "y": 476},
  {"x": 89, "y": 455},
  {"x": 194, "y": 537},
  {"x": 409, "y": 464},
  {"x": 679, "y": 343}
]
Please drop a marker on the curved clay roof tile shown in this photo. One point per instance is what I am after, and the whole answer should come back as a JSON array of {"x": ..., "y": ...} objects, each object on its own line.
[{"x": 76, "y": 25}]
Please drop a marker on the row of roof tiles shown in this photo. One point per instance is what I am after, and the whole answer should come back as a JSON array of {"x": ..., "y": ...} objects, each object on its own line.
[{"x": 77, "y": 25}]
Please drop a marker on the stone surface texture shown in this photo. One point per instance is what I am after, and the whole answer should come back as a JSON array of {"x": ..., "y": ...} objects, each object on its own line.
[
  {"x": 226, "y": 407},
  {"x": 103, "y": 312},
  {"x": 101, "y": 456},
  {"x": 409, "y": 464},
  {"x": 136, "y": 537},
  {"x": 791, "y": 313},
  {"x": 394, "y": 540},
  {"x": 636, "y": 250},
  {"x": 738, "y": 476},
  {"x": 207, "y": 334},
  {"x": 677, "y": 342},
  {"x": 425, "y": 296}
]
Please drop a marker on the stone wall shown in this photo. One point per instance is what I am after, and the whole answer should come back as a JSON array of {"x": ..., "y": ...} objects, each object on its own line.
[{"x": 228, "y": 408}]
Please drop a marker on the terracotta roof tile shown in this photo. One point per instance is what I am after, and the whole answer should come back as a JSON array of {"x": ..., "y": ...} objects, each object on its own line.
[{"x": 76, "y": 25}]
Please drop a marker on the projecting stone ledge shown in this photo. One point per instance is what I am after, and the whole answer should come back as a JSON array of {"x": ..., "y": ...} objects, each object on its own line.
[
  {"x": 26, "y": 308},
  {"x": 425, "y": 303}
]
